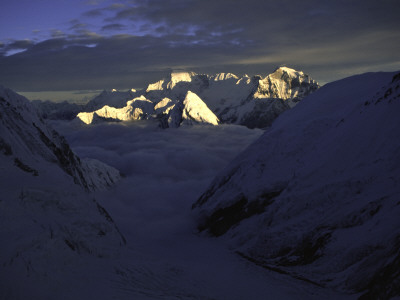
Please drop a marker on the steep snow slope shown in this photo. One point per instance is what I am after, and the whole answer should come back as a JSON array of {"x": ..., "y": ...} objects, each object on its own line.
[
  {"x": 196, "y": 111},
  {"x": 29, "y": 142},
  {"x": 50, "y": 228},
  {"x": 317, "y": 196},
  {"x": 189, "y": 112}
]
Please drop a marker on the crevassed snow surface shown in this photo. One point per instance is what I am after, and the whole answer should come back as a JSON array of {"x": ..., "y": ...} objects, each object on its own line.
[{"x": 165, "y": 172}]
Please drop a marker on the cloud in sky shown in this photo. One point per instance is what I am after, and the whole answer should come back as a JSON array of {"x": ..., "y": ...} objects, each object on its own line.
[
  {"x": 133, "y": 43},
  {"x": 113, "y": 26}
]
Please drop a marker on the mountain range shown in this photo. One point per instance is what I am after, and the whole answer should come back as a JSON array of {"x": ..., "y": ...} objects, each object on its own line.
[{"x": 188, "y": 98}]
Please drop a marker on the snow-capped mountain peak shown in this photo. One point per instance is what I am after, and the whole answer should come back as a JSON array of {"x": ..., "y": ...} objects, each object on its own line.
[
  {"x": 176, "y": 77},
  {"x": 196, "y": 111},
  {"x": 287, "y": 84},
  {"x": 285, "y": 70},
  {"x": 156, "y": 86},
  {"x": 135, "y": 109},
  {"x": 112, "y": 98},
  {"x": 251, "y": 101},
  {"x": 171, "y": 81},
  {"x": 224, "y": 76}
]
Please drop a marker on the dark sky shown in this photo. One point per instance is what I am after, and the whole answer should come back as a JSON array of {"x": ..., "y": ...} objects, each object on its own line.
[{"x": 78, "y": 45}]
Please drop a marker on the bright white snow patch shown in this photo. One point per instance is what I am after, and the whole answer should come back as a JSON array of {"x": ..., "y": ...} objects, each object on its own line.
[
  {"x": 177, "y": 77},
  {"x": 196, "y": 111}
]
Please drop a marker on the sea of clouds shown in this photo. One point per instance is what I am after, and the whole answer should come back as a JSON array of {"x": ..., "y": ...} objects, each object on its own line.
[{"x": 165, "y": 170}]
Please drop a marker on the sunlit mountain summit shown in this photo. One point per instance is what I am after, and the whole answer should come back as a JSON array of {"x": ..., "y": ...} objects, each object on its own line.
[{"x": 251, "y": 101}]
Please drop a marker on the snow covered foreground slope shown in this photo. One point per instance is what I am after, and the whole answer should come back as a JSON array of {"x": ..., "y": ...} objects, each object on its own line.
[
  {"x": 226, "y": 98},
  {"x": 28, "y": 143},
  {"x": 49, "y": 225},
  {"x": 318, "y": 195}
]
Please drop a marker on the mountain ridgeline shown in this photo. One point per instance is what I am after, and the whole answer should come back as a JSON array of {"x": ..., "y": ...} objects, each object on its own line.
[
  {"x": 48, "y": 217},
  {"x": 190, "y": 98},
  {"x": 30, "y": 143}
]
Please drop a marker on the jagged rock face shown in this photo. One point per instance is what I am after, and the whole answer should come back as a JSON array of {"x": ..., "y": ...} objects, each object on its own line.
[
  {"x": 317, "y": 196},
  {"x": 250, "y": 101}
]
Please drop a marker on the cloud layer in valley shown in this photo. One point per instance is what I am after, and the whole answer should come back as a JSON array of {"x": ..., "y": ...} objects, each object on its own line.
[{"x": 165, "y": 170}]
